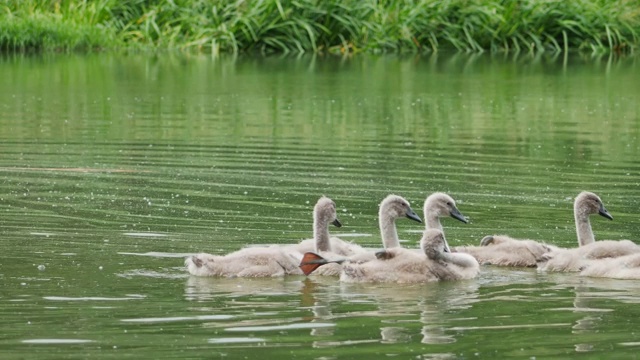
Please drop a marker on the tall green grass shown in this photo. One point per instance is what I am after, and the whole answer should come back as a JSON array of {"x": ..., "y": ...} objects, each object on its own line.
[
  {"x": 55, "y": 25},
  {"x": 337, "y": 26}
]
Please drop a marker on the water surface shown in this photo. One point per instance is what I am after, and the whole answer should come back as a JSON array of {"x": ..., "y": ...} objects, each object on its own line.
[{"x": 113, "y": 168}]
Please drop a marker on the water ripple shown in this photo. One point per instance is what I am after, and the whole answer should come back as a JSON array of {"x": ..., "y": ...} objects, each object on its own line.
[
  {"x": 178, "y": 318},
  {"x": 235, "y": 340},
  {"x": 56, "y": 341},
  {"x": 499, "y": 327},
  {"x": 281, "y": 327},
  {"x": 157, "y": 254},
  {"x": 94, "y": 298}
]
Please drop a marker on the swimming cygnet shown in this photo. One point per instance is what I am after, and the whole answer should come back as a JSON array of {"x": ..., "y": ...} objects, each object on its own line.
[
  {"x": 559, "y": 259},
  {"x": 502, "y": 250},
  {"x": 269, "y": 261},
  {"x": 325, "y": 213},
  {"x": 404, "y": 266},
  {"x": 391, "y": 208}
]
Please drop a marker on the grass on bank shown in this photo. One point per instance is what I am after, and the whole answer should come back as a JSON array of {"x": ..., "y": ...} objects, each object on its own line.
[{"x": 336, "y": 26}]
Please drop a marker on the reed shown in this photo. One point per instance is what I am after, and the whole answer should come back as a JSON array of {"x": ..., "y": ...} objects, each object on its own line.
[
  {"x": 55, "y": 25},
  {"x": 336, "y": 26}
]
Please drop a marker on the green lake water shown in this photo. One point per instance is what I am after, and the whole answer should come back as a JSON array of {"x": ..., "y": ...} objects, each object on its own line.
[{"x": 113, "y": 168}]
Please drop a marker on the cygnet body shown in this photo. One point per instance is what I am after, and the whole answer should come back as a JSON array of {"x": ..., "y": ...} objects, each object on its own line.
[
  {"x": 502, "y": 250},
  {"x": 272, "y": 260},
  {"x": 391, "y": 208},
  {"x": 575, "y": 259},
  {"x": 624, "y": 267},
  {"x": 404, "y": 266}
]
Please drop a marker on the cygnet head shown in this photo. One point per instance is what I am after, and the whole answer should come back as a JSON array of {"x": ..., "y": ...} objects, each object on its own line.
[
  {"x": 588, "y": 203},
  {"x": 433, "y": 243},
  {"x": 325, "y": 212},
  {"x": 394, "y": 206},
  {"x": 442, "y": 205}
]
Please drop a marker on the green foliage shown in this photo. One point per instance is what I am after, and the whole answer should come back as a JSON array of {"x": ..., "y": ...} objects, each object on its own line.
[
  {"x": 54, "y": 25},
  {"x": 338, "y": 26}
]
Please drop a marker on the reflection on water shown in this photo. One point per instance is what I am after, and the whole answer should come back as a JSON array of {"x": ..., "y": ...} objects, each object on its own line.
[
  {"x": 322, "y": 301},
  {"x": 113, "y": 168},
  {"x": 207, "y": 288},
  {"x": 593, "y": 300}
]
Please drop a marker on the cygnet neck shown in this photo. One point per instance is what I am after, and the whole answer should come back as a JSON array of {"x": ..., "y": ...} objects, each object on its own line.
[
  {"x": 432, "y": 221},
  {"x": 388, "y": 230},
  {"x": 321, "y": 234},
  {"x": 583, "y": 225}
]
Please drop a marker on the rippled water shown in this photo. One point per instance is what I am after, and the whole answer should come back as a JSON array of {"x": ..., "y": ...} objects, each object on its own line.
[{"x": 113, "y": 168}]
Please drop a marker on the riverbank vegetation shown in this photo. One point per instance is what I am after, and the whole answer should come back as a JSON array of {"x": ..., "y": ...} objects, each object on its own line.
[{"x": 334, "y": 26}]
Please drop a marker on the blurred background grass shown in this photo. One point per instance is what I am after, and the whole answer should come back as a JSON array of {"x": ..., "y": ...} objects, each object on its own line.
[{"x": 334, "y": 26}]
